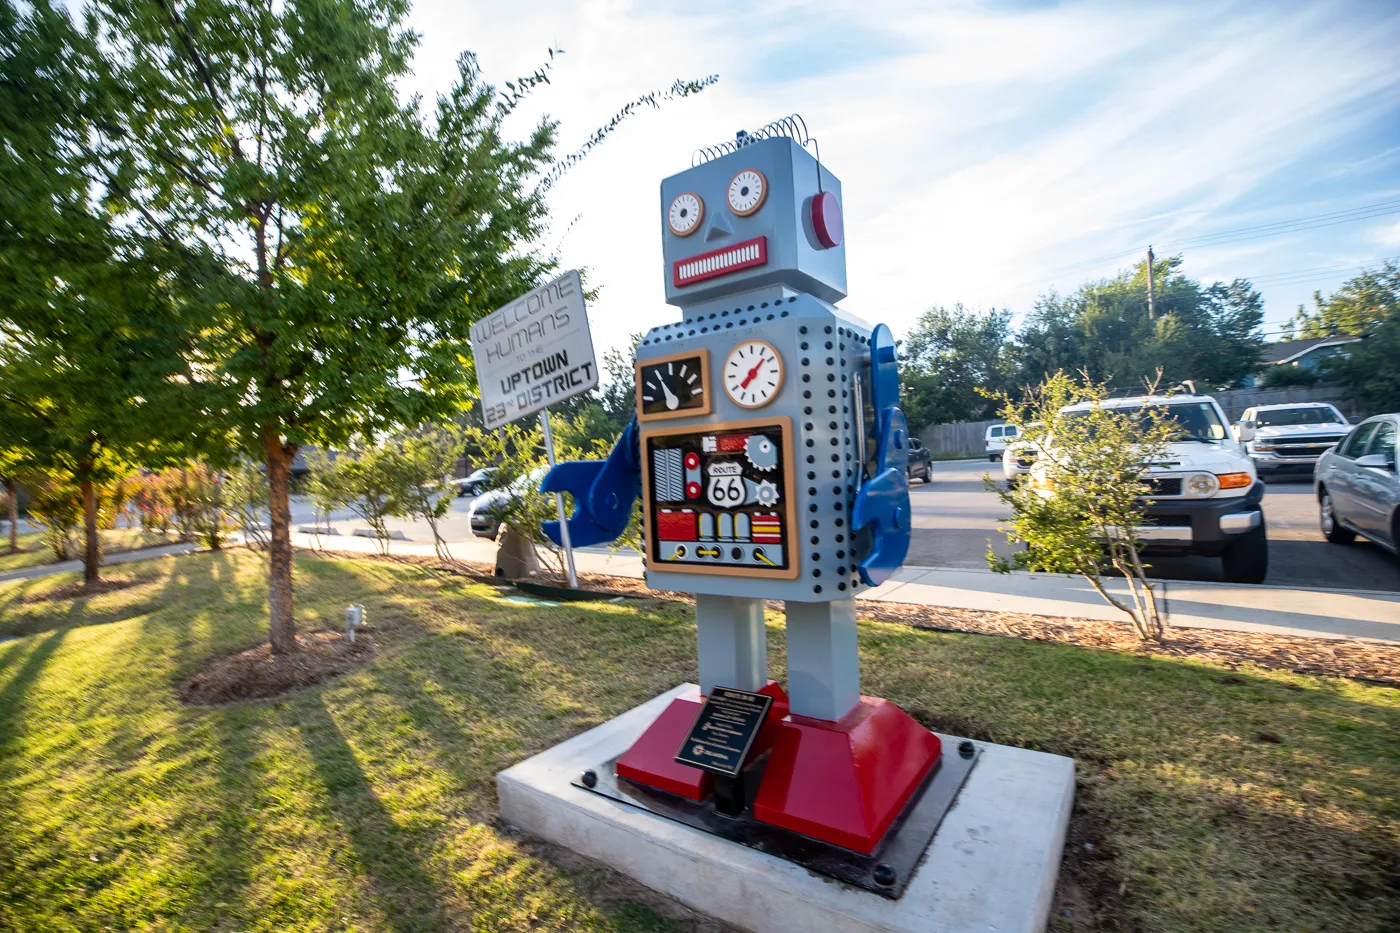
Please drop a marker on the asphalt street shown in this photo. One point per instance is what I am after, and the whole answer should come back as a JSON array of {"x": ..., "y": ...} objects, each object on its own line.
[{"x": 956, "y": 519}]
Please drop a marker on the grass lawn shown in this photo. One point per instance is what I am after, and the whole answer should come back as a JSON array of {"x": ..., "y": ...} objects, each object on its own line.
[
  {"x": 1215, "y": 800},
  {"x": 34, "y": 553}
]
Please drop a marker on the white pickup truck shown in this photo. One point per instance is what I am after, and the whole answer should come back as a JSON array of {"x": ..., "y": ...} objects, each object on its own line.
[
  {"x": 1206, "y": 496},
  {"x": 1289, "y": 439}
]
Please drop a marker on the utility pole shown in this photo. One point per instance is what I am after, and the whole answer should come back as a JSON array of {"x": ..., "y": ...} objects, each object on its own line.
[{"x": 1151, "y": 307}]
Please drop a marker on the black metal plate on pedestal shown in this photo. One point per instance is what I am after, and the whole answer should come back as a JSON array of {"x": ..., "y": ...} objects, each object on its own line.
[
  {"x": 893, "y": 862},
  {"x": 720, "y": 738}
]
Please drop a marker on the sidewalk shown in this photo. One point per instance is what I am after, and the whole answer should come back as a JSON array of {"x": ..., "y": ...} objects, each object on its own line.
[
  {"x": 1277, "y": 610},
  {"x": 121, "y": 557}
]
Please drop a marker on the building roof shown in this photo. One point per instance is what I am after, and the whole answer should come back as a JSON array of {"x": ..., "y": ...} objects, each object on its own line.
[{"x": 1286, "y": 351}]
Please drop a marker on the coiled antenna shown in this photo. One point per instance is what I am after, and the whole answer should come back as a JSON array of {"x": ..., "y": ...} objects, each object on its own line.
[{"x": 792, "y": 126}]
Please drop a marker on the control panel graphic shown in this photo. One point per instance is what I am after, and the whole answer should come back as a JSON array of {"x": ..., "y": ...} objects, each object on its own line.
[{"x": 716, "y": 498}]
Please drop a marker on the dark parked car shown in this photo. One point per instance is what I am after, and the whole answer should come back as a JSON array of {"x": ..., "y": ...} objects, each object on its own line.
[
  {"x": 489, "y": 509},
  {"x": 477, "y": 483},
  {"x": 920, "y": 461},
  {"x": 1358, "y": 485}
]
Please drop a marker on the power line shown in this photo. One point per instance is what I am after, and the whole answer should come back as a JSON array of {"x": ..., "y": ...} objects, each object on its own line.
[
  {"x": 1257, "y": 231},
  {"x": 1297, "y": 228},
  {"x": 1365, "y": 212},
  {"x": 1321, "y": 274}
]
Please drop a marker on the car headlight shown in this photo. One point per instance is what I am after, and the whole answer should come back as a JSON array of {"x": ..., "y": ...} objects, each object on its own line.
[
  {"x": 1202, "y": 484},
  {"x": 1263, "y": 445}
]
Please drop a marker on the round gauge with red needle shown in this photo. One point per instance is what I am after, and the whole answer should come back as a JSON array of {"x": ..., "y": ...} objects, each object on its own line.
[{"x": 753, "y": 373}]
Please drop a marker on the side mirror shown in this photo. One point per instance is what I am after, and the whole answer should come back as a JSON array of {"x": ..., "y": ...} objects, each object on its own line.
[
  {"x": 1375, "y": 462},
  {"x": 1245, "y": 430}
]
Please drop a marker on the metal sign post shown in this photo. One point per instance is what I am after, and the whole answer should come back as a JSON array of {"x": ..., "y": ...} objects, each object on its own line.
[{"x": 559, "y": 503}]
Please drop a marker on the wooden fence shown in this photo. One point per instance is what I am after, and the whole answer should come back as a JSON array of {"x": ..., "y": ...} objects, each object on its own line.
[{"x": 947, "y": 441}]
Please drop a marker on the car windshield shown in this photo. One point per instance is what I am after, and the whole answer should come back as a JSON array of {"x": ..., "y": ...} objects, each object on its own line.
[
  {"x": 1198, "y": 420},
  {"x": 1287, "y": 417}
]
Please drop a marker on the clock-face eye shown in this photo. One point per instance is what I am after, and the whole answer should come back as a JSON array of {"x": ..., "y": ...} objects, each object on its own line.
[
  {"x": 747, "y": 192},
  {"x": 685, "y": 213},
  {"x": 753, "y": 373}
]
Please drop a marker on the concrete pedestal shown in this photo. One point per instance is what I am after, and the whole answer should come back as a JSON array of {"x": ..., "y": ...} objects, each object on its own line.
[{"x": 991, "y": 866}]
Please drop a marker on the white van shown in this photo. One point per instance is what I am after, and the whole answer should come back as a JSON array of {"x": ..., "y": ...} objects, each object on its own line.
[{"x": 996, "y": 439}]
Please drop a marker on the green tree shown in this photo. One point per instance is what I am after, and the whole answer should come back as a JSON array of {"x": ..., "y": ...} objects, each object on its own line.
[
  {"x": 368, "y": 480},
  {"x": 954, "y": 362},
  {"x": 1208, "y": 334},
  {"x": 1362, "y": 305},
  {"x": 426, "y": 458},
  {"x": 346, "y": 238},
  {"x": 95, "y": 350},
  {"x": 14, "y": 460},
  {"x": 1367, "y": 306}
]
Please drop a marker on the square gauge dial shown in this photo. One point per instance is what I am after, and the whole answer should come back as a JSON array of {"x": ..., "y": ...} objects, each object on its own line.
[{"x": 674, "y": 386}]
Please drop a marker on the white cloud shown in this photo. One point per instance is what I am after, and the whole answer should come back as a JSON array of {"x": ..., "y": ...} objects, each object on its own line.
[{"x": 981, "y": 151}]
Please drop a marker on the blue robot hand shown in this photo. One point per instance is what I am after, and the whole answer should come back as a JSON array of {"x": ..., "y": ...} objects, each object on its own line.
[
  {"x": 882, "y": 502},
  {"x": 603, "y": 491}
]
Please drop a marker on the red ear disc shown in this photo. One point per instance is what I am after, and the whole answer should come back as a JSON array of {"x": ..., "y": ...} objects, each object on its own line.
[{"x": 826, "y": 220}]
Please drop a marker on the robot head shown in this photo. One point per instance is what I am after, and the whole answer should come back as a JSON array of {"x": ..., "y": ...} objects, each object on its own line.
[{"x": 752, "y": 218}]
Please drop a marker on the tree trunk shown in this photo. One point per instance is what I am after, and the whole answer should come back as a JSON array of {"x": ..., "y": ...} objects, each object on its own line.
[
  {"x": 92, "y": 553},
  {"x": 12, "y": 497},
  {"x": 282, "y": 629}
]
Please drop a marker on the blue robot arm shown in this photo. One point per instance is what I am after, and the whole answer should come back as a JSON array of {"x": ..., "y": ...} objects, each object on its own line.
[
  {"x": 882, "y": 502},
  {"x": 603, "y": 490}
]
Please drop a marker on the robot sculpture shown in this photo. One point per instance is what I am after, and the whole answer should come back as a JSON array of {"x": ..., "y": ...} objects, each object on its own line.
[{"x": 770, "y": 455}]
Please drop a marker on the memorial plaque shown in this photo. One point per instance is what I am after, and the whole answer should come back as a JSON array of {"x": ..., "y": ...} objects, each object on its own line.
[{"x": 724, "y": 731}]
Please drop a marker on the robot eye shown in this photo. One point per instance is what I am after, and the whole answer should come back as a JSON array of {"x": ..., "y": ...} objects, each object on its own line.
[
  {"x": 747, "y": 192},
  {"x": 685, "y": 213}
]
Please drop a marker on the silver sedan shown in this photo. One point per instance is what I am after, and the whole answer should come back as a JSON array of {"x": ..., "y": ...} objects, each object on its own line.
[{"x": 1358, "y": 485}]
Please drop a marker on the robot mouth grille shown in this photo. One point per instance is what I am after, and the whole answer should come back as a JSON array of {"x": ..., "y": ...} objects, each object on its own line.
[{"x": 719, "y": 262}]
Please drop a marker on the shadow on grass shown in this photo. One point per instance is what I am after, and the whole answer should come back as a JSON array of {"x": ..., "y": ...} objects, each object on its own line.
[
  {"x": 12, "y": 708},
  {"x": 238, "y": 812},
  {"x": 403, "y": 891}
]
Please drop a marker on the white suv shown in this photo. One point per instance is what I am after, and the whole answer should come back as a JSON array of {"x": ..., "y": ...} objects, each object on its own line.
[
  {"x": 1206, "y": 494},
  {"x": 1284, "y": 439}
]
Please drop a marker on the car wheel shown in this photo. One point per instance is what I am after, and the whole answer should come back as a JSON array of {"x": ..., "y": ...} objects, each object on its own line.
[
  {"x": 1246, "y": 559},
  {"x": 1332, "y": 529}
]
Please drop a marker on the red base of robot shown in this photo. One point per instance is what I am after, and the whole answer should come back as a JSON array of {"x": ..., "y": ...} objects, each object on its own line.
[
  {"x": 651, "y": 759},
  {"x": 845, "y": 782},
  {"x": 841, "y": 782}
]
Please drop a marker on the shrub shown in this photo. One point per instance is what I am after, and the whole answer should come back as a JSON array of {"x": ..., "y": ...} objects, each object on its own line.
[
  {"x": 56, "y": 505},
  {"x": 1081, "y": 509}
]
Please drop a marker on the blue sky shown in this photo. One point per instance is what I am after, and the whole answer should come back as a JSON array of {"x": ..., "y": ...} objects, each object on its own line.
[{"x": 988, "y": 151}]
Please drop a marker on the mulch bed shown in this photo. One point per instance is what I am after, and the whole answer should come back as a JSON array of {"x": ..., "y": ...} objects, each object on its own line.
[
  {"x": 1372, "y": 662},
  {"x": 256, "y": 672},
  {"x": 80, "y": 589}
]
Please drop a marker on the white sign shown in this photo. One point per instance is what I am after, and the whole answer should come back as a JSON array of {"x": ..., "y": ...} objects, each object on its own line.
[{"x": 535, "y": 352}]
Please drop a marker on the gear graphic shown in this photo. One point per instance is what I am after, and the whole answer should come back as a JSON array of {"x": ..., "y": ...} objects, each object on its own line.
[
  {"x": 762, "y": 452},
  {"x": 767, "y": 493}
]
